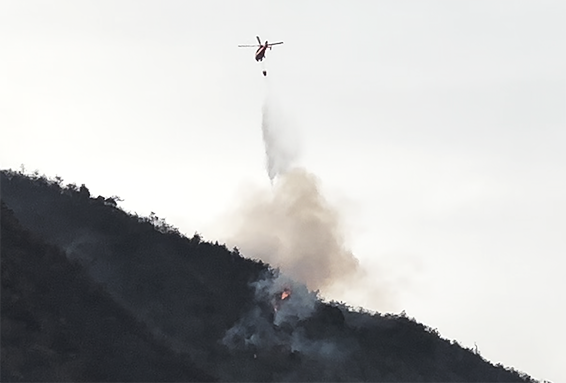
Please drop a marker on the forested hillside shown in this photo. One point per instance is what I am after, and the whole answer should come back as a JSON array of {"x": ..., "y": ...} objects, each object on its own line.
[
  {"x": 92, "y": 293},
  {"x": 57, "y": 325}
]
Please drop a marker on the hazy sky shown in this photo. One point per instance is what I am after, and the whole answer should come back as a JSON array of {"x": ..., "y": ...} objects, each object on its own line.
[{"x": 436, "y": 128}]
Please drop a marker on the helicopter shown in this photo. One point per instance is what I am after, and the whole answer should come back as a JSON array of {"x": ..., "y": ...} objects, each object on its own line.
[{"x": 261, "y": 48}]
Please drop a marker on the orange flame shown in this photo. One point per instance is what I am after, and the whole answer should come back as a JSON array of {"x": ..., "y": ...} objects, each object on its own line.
[{"x": 285, "y": 294}]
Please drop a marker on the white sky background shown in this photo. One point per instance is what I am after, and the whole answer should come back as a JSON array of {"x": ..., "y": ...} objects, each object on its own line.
[{"x": 436, "y": 127}]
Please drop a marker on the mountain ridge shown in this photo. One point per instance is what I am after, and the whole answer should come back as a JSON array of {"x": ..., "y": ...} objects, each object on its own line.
[{"x": 216, "y": 306}]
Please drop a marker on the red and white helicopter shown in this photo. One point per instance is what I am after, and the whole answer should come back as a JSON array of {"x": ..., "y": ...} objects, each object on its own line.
[{"x": 261, "y": 48}]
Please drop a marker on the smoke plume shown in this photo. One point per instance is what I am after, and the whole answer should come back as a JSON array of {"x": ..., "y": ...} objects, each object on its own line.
[{"x": 292, "y": 226}]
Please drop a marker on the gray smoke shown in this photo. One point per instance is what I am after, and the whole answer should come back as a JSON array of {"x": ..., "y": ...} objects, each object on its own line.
[
  {"x": 272, "y": 325},
  {"x": 258, "y": 327}
]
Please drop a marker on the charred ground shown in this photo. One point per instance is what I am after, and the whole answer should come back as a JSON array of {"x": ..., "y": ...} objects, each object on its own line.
[{"x": 90, "y": 292}]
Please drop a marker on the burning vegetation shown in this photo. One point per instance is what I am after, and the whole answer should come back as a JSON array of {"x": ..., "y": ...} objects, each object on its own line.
[{"x": 280, "y": 297}]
